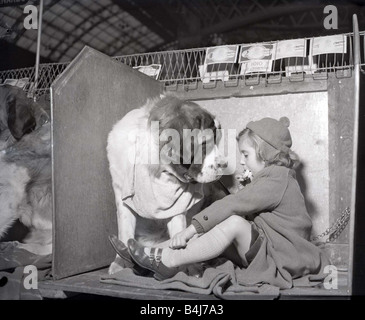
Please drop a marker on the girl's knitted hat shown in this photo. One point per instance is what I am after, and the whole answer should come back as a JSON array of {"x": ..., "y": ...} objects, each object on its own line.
[{"x": 275, "y": 133}]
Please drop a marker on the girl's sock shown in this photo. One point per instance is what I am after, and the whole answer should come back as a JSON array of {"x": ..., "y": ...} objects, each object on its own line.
[{"x": 208, "y": 246}]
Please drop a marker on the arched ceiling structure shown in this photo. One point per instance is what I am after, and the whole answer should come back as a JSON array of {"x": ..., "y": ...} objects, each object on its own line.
[{"x": 122, "y": 27}]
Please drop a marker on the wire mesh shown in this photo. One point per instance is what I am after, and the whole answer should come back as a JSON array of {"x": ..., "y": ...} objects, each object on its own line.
[{"x": 187, "y": 68}]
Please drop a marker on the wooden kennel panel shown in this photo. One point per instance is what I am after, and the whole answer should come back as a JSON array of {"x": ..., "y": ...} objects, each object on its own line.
[
  {"x": 88, "y": 98},
  {"x": 322, "y": 116}
]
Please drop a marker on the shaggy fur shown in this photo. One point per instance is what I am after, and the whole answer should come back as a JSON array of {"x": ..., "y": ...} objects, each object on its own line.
[{"x": 25, "y": 183}]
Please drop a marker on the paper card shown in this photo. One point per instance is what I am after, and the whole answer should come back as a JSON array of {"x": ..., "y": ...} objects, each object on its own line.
[
  {"x": 20, "y": 83},
  {"x": 328, "y": 44},
  {"x": 308, "y": 68},
  {"x": 206, "y": 76},
  {"x": 256, "y": 66},
  {"x": 231, "y": 68},
  {"x": 11, "y": 82},
  {"x": 290, "y": 48},
  {"x": 256, "y": 58},
  {"x": 222, "y": 54},
  {"x": 152, "y": 70},
  {"x": 257, "y": 52}
]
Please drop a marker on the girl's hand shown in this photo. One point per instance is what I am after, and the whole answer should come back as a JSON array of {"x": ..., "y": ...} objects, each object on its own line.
[{"x": 180, "y": 239}]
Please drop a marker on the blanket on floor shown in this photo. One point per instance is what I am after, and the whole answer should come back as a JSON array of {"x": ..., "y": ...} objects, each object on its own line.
[
  {"x": 13, "y": 260},
  {"x": 220, "y": 279}
]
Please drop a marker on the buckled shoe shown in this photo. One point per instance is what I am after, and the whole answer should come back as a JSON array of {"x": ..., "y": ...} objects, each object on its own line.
[
  {"x": 152, "y": 261},
  {"x": 122, "y": 251}
]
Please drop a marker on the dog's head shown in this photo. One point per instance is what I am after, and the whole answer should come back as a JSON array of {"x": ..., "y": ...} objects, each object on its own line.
[
  {"x": 188, "y": 138},
  {"x": 17, "y": 113}
]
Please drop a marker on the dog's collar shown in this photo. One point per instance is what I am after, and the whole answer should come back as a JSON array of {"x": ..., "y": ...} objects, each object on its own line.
[
  {"x": 182, "y": 176},
  {"x": 185, "y": 177}
]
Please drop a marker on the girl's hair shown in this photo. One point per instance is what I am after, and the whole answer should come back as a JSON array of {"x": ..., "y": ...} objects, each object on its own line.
[{"x": 289, "y": 160}]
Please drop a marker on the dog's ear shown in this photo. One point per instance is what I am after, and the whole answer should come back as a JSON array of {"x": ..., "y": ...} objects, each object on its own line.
[
  {"x": 20, "y": 117},
  {"x": 10, "y": 102}
]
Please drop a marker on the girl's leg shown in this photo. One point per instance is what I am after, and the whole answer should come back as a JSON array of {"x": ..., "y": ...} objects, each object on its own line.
[
  {"x": 241, "y": 230},
  {"x": 210, "y": 245}
]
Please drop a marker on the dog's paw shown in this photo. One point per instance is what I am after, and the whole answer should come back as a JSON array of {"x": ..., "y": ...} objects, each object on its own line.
[{"x": 115, "y": 266}]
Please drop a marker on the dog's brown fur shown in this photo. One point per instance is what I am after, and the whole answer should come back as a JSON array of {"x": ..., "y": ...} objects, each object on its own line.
[{"x": 25, "y": 178}]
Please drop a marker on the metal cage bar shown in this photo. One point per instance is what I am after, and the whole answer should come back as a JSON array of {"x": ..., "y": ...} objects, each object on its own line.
[
  {"x": 184, "y": 67},
  {"x": 356, "y": 104}
]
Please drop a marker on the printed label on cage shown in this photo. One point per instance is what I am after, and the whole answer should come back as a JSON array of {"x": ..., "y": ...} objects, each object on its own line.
[
  {"x": 206, "y": 76},
  {"x": 257, "y": 52},
  {"x": 290, "y": 48},
  {"x": 11, "y": 82},
  {"x": 298, "y": 69},
  {"x": 328, "y": 44},
  {"x": 256, "y": 66},
  {"x": 222, "y": 54},
  {"x": 152, "y": 70},
  {"x": 20, "y": 83}
]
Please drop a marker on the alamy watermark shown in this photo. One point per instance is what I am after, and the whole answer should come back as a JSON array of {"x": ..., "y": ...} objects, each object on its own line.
[
  {"x": 31, "y": 20},
  {"x": 169, "y": 147},
  {"x": 30, "y": 281},
  {"x": 330, "y": 21},
  {"x": 331, "y": 281}
]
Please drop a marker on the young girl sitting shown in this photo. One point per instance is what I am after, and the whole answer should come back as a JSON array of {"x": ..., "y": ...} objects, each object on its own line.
[{"x": 266, "y": 222}]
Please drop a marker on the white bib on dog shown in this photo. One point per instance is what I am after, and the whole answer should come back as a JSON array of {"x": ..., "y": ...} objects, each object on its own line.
[
  {"x": 161, "y": 197},
  {"x": 151, "y": 196}
]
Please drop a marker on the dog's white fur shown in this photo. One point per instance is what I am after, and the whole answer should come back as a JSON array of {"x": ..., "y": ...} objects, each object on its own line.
[
  {"x": 12, "y": 192},
  {"x": 130, "y": 223}
]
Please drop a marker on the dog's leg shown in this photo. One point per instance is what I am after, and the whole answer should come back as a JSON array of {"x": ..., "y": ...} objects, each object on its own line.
[
  {"x": 35, "y": 248},
  {"x": 126, "y": 230},
  {"x": 176, "y": 224},
  {"x": 126, "y": 224},
  {"x": 38, "y": 242}
]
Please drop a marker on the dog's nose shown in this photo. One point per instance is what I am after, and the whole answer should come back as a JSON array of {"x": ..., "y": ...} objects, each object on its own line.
[{"x": 222, "y": 164}]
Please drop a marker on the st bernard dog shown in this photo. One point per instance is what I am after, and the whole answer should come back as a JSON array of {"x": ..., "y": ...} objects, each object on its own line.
[
  {"x": 25, "y": 169},
  {"x": 160, "y": 156}
]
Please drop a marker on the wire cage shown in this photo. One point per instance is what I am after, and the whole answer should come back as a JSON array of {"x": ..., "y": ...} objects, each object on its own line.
[{"x": 187, "y": 68}]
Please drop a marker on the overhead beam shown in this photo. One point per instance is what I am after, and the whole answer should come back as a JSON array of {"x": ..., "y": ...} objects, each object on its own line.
[{"x": 100, "y": 19}]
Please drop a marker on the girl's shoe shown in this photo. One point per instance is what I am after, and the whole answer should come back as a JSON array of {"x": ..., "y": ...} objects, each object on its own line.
[
  {"x": 127, "y": 261},
  {"x": 121, "y": 250},
  {"x": 151, "y": 262}
]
